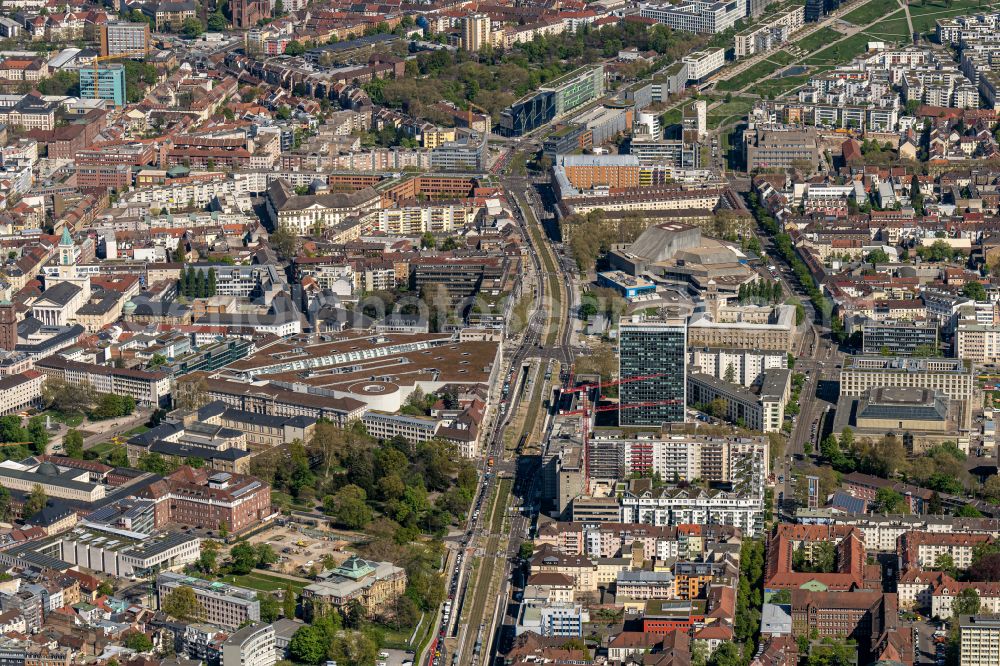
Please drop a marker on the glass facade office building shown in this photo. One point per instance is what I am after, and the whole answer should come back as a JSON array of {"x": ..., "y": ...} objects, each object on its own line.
[
  {"x": 652, "y": 347},
  {"x": 107, "y": 82}
]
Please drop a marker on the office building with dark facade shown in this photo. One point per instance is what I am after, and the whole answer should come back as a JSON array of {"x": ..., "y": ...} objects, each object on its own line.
[
  {"x": 552, "y": 101},
  {"x": 897, "y": 338},
  {"x": 657, "y": 348}
]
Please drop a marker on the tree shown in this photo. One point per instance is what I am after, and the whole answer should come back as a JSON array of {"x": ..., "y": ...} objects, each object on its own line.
[
  {"x": 974, "y": 290},
  {"x": 182, "y": 603},
  {"x": 727, "y": 654},
  {"x": 991, "y": 488},
  {"x": 718, "y": 408},
  {"x": 36, "y": 501},
  {"x": 73, "y": 444},
  {"x": 527, "y": 550},
  {"x": 180, "y": 254},
  {"x": 284, "y": 112},
  {"x": 877, "y": 256},
  {"x": 350, "y": 508},
  {"x": 986, "y": 567},
  {"x": 288, "y": 602},
  {"x": 265, "y": 555},
  {"x": 916, "y": 196},
  {"x": 887, "y": 500},
  {"x": 192, "y": 27},
  {"x": 242, "y": 558},
  {"x": 934, "y": 505},
  {"x": 945, "y": 562},
  {"x": 294, "y": 48},
  {"x": 966, "y": 603},
  {"x": 308, "y": 645},
  {"x": 4, "y": 504},
  {"x": 270, "y": 607},
  {"x": 730, "y": 373},
  {"x": 67, "y": 398},
  {"x": 139, "y": 642},
  {"x": 208, "y": 561},
  {"x": 38, "y": 435},
  {"x": 217, "y": 22},
  {"x": 284, "y": 243},
  {"x": 968, "y": 511},
  {"x": 153, "y": 463}
]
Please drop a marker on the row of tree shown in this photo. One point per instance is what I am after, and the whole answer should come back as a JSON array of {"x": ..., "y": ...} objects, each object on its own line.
[
  {"x": 761, "y": 292},
  {"x": 73, "y": 399},
  {"x": 196, "y": 283},
  {"x": 940, "y": 468}
]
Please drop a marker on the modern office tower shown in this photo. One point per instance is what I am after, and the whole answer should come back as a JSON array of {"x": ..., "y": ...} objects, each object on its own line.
[
  {"x": 657, "y": 348},
  {"x": 475, "y": 32},
  {"x": 123, "y": 37},
  {"x": 106, "y": 82}
]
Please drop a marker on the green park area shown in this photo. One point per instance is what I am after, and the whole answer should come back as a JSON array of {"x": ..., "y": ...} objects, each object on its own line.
[
  {"x": 736, "y": 107},
  {"x": 819, "y": 39},
  {"x": 758, "y": 71},
  {"x": 263, "y": 582},
  {"x": 874, "y": 10}
]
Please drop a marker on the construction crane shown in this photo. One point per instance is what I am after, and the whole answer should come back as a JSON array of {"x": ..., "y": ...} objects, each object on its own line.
[
  {"x": 587, "y": 409},
  {"x": 116, "y": 56},
  {"x": 468, "y": 116}
]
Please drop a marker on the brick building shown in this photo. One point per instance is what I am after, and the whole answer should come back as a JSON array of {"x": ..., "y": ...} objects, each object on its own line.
[{"x": 205, "y": 498}]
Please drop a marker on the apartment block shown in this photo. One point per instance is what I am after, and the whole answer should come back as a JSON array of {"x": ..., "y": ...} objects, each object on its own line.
[
  {"x": 122, "y": 37},
  {"x": 979, "y": 640},
  {"x": 225, "y": 606},
  {"x": 770, "y": 33}
]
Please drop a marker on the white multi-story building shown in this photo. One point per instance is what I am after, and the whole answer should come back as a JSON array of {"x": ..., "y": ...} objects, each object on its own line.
[
  {"x": 253, "y": 645},
  {"x": 670, "y": 506},
  {"x": 433, "y": 218},
  {"x": 122, "y": 553},
  {"x": 747, "y": 364},
  {"x": 979, "y": 639},
  {"x": 226, "y": 606},
  {"x": 951, "y": 376},
  {"x": 770, "y": 33},
  {"x": 702, "y": 64},
  {"x": 977, "y": 343},
  {"x": 701, "y": 16}
]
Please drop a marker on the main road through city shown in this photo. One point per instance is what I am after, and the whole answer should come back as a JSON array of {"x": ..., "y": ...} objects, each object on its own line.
[{"x": 483, "y": 561}]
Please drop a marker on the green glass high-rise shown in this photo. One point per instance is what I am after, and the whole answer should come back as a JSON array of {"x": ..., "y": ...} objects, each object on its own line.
[{"x": 657, "y": 348}]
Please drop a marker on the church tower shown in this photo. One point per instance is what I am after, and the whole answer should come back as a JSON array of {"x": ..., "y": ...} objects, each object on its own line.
[{"x": 67, "y": 256}]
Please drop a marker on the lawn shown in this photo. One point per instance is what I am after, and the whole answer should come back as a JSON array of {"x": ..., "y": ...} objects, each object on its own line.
[
  {"x": 890, "y": 30},
  {"x": 71, "y": 420},
  {"x": 818, "y": 39},
  {"x": 840, "y": 52},
  {"x": 263, "y": 582},
  {"x": 874, "y": 10},
  {"x": 103, "y": 449},
  {"x": 672, "y": 117},
  {"x": 772, "y": 88},
  {"x": 761, "y": 70},
  {"x": 738, "y": 106},
  {"x": 782, "y": 57}
]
